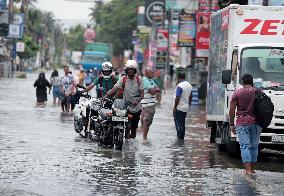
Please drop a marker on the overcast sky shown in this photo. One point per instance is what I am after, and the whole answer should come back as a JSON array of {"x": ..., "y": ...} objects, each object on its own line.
[{"x": 67, "y": 11}]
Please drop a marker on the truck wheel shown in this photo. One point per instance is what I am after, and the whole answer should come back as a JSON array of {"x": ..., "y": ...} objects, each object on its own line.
[
  {"x": 219, "y": 133},
  {"x": 213, "y": 132}
]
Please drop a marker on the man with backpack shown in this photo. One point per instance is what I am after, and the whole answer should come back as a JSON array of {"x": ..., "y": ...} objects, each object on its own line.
[
  {"x": 246, "y": 127},
  {"x": 132, "y": 87},
  {"x": 105, "y": 81}
]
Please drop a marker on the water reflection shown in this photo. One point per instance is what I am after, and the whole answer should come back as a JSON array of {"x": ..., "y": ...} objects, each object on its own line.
[{"x": 42, "y": 155}]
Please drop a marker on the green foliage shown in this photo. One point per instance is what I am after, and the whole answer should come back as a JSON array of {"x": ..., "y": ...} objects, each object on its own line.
[
  {"x": 115, "y": 22},
  {"x": 31, "y": 47},
  {"x": 75, "y": 38}
]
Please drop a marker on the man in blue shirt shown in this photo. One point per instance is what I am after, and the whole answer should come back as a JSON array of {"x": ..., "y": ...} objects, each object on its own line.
[{"x": 149, "y": 101}]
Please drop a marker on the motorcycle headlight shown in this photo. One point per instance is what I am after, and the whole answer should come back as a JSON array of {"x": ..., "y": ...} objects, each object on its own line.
[{"x": 119, "y": 112}]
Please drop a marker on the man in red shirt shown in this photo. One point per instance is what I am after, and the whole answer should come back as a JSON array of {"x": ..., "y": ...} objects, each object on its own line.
[{"x": 247, "y": 130}]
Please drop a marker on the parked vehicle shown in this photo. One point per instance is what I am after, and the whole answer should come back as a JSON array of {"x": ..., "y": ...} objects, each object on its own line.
[
  {"x": 85, "y": 123},
  {"x": 245, "y": 39},
  {"x": 95, "y": 54}
]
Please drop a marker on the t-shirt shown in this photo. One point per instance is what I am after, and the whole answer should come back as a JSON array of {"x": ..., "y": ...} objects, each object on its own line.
[
  {"x": 183, "y": 90},
  {"x": 67, "y": 83},
  {"x": 148, "y": 99},
  {"x": 107, "y": 84},
  {"x": 245, "y": 105},
  {"x": 159, "y": 83},
  {"x": 132, "y": 92},
  {"x": 55, "y": 81}
]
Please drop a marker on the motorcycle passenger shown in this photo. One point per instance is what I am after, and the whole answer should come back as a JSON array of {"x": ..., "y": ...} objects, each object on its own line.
[
  {"x": 104, "y": 82},
  {"x": 133, "y": 93}
]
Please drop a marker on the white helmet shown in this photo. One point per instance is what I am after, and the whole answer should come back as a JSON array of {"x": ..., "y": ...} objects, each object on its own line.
[
  {"x": 131, "y": 64},
  {"x": 106, "y": 67}
]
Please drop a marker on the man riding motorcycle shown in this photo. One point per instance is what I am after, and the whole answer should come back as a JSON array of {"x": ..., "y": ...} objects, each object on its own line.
[
  {"x": 104, "y": 82},
  {"x": 133, "y": 92}
]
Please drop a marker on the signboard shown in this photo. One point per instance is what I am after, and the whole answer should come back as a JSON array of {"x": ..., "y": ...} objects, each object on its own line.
[
  {"x": 154, "y": 12},
  {"x": 187, "y": 30},
  {"x": 20, "y": 47},
  {"x": 255, "y": 2},
  {"x": 181, "y": 4},
  {"x": 204, "y": 5},
  {"x": 203, "y": 33},
  {"x": 161, "y": 60},
  {"x": 3, "y": 4},
  {"x": 162, "y": 39},
  {"x": 89, "y": 35},
  {"x": 15, "y": 31},
  {"x": 17, "y": 28},
  {"x": 276, "y": 2}
]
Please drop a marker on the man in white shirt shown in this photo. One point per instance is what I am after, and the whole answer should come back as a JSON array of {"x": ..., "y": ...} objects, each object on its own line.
[{"x": 181, "y": 105}]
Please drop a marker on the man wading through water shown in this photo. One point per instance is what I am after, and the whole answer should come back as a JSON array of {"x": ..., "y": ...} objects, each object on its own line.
[
  {"x": 149, "y": 101},
  {"x": 247, "y": 130},
  {"x": 132, "y": 88}
]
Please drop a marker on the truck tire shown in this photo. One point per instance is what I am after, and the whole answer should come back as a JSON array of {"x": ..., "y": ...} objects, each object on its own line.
[
  {"x": 213, "y": 132},
  {"x": 219, "y": 134}
]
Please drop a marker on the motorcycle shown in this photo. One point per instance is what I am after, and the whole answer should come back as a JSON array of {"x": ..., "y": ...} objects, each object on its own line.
[
  {"x": 105, "y": 123},
  {"x": 114, "y": 123},
  {"x": 120, "y": 119},
  {"x": 86, "y": 122}
]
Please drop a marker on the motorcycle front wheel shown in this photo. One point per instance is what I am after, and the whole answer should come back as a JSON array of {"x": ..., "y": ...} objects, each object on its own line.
[{"x": 118, "y": 140}]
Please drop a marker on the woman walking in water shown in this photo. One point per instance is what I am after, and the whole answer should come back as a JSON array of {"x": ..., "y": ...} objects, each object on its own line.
[
  {"x": 41, "y": 91},
  {"x": 55, "y": 81}
]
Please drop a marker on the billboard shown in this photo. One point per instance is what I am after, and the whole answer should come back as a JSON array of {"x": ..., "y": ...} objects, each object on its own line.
[
  {"x": 204, "y": 5},
  {"x": 154, "y": 12},
  {"x": 187, "y": 30},
  {"x": 3, "y": 4},
  {"x": 202, "y": 34},
  {"x": 162, "y": 39}
]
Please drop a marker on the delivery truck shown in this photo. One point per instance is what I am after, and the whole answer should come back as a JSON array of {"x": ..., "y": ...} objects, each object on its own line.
[
  {"x": 95, "y": 54},
  {"x": 245, "y": 39}
]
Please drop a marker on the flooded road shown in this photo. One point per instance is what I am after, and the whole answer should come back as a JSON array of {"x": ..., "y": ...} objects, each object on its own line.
[{"x": 41, "y": 154}]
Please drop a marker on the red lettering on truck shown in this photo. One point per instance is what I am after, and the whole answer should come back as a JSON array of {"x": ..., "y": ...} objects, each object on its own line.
[
  {"x": 250, "y": 28},
  {"x": 269, "y": 27}
]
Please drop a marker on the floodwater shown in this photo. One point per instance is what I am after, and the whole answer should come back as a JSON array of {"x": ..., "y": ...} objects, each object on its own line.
[{"x": 41, "y": 154}]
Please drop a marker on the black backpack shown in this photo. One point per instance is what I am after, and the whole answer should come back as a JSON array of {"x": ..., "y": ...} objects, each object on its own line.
[{"x": 263, "y": 109}]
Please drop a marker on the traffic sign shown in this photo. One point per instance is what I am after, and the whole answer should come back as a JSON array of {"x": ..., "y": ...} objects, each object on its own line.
[
  {"x": 15, "y": 31},
  {"x": 20, "y": 47}
]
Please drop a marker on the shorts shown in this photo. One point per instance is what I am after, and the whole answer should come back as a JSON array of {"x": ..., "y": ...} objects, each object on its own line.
[
  {"x": 135, "y": 119},
  {"x": 148, "y": 115},
  {"x": 67, "y": 99},
  {"x": 56, "y": 92}
]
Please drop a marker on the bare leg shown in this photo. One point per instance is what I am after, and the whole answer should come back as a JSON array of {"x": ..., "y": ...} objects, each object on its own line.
[
  {"x": 145, "y": 129},
  {"x": 54, "y": 100},
  {"x": 248, "y": 168}
]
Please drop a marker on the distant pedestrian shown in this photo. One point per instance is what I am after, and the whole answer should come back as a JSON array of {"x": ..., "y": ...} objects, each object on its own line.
[
  {"x": 89, "y": 79},
  {"x": 247, "y": 130},
  {"x": 55, "y": 81},
  {"x": 81, "y": 77},
  {"x": 160, "y": 83},
  {"x": 181, "y": 105},
  {"x": 149, "y": 101},
  {"x": 67, "y": 85},
  {"x": 41, "y": 85}
]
